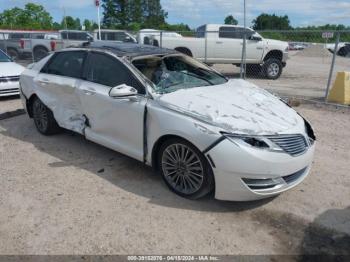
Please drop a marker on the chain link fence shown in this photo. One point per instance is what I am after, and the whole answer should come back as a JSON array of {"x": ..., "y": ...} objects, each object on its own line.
[{"x": 289, "y": 63}]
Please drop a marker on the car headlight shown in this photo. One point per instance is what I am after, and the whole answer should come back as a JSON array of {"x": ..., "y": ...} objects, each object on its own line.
[{"x": 258, "y": 142}]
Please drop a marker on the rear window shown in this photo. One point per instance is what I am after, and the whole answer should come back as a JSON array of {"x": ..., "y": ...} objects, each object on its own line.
[{"x": 68, "y": 64}]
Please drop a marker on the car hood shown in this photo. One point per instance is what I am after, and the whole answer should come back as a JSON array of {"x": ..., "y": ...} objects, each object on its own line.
[
  {"x": 236, "y": 106},
  {"x": 10, "y": 69}
]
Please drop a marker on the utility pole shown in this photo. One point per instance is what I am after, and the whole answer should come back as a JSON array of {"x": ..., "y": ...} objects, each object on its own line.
[
  {"x": 244, "y": 48},
  {"x": 97, "y": 3}
]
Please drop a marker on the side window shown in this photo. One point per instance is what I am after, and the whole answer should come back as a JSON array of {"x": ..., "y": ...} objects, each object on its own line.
[
  {"x": 68, "y": 63},
  {"x": 229, "y": 32},
  {"x": 108, "y": 71}
]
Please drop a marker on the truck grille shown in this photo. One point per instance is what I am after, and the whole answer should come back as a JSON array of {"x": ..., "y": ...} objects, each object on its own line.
[
  {"x": 292, "y": 144},
  {"x": 9, "y": 79}
]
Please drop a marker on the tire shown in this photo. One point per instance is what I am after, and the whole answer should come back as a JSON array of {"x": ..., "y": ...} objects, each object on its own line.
[
  {"x": 272, "y": 68},
  {"x": 13, "y": 53},
  {"x": 185, "y": 169},
  {"x": 43, "y": 118},
  {"x": 40, "y": 53},
  {"x": 344, "y": 51}
]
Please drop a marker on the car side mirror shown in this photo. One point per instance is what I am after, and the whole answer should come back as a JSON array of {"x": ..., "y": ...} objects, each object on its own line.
[{"x": 122, "y": 91}]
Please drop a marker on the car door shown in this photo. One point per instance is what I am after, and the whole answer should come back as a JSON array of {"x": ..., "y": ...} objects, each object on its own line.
[
  {"x": 228, "y": 46},
  {"x": 255, "y": 48},
  {"x": 57, "y": 86},
  {"x": 116, "y": 123}
]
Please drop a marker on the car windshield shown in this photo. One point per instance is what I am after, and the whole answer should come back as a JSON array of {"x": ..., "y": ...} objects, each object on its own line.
[
  {"x": 4, "y": 57},
  {"x": 172, "y": 72}
]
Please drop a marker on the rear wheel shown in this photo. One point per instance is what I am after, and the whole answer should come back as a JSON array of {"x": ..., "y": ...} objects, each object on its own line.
[
  {"x": 273, "y": 68},
  {"x": 185, "y": 169},
  {"x": 44, "y": 119}
]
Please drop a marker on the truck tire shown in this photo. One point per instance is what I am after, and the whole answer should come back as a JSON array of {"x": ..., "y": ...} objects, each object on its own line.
[
  {"x": 13, "y": 53},
  {"x": 39, "y": 53},
  {"x": 344, "y": 51},
  {"x": 272, "y": 68}
]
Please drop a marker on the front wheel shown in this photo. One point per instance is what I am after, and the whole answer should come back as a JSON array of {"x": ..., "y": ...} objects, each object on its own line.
[
  {"x": 273, "y": 68},
  {"x": 44, "y": 119},
  {"x": 184, "y": 169}
]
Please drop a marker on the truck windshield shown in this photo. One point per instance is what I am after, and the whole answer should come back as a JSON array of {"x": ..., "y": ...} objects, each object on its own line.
[
  {"x": 4, "y": 58},
  {"x": 173, "y": 72}
]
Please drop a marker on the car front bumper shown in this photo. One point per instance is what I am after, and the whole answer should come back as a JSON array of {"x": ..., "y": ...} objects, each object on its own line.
[
  {"x": 246, "y": 173},
  {"x": 9, "y": 89}
]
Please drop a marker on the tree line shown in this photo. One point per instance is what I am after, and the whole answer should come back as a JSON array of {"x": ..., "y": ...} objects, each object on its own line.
[{"x": 138, "y": 14}]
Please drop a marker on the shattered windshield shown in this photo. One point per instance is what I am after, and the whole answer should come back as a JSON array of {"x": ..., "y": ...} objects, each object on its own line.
[{"x": 173, "y": 72}]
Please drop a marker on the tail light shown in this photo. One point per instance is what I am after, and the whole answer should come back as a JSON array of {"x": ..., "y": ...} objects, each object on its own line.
[
  {"x": 53, "y": 45},
  {"x": 21, "y": 42}
]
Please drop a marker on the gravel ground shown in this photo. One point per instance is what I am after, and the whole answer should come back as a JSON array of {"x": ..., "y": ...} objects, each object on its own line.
[
  {"x": 65, "y": 195},
  {"x": 305, "y": 75}
]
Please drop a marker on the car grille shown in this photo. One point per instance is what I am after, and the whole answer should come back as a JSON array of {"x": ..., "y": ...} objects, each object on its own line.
[
  {"x": 8, "y": 91},
  {"x": 292, "y": 144},
  {"x": 9, "y": 79},
  {"x": 295, "y": 176}
]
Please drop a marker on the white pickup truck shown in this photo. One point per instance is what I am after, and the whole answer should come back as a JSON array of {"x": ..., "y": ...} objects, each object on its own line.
[
  {"x": 54, "y": 41},
  {"x": 222, "y": 44}
]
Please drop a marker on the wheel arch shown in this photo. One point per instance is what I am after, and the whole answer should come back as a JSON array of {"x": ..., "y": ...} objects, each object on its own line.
[
  {"x": 278, "y": 54},
  {"x": 29, "y": 103},
  {"x": 40, "y": 47},
  {"x": 157, "y": 145}
]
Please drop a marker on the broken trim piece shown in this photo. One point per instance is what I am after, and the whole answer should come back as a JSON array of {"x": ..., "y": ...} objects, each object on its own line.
[{"x": 218, "y": 141}]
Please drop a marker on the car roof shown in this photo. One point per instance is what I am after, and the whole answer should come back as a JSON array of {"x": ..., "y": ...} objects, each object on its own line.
[{"x": 128, "y": 49}]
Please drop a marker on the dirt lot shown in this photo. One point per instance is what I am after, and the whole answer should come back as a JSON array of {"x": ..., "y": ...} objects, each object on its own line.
[
  {"x": 305, "y": 75},
  {"x": 65, "y": 195}
]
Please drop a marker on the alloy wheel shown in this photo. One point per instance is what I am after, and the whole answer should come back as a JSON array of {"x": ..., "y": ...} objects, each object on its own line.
[
  {"x": 273, "y": 69},
  {"x": 40, "y": 116},
  {"x": 182, "y": 168}
]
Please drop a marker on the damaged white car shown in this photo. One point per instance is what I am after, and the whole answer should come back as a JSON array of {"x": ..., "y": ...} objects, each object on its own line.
[{"x": 199, "y": 130}]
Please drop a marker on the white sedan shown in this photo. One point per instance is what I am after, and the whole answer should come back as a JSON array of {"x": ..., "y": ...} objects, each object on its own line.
[
  {"x": 201, "y": 131},
  {"x": 9, "y": 75}
]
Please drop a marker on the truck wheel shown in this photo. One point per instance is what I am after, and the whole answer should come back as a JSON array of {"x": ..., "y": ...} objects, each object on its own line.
[
  {"x": 39, "y": 53},
  {"x": 273, "y": 68},
  {"x": 344, "y": 51},
  {"x": 13, "y": 53}
]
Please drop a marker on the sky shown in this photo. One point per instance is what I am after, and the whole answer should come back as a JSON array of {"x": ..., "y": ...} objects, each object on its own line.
[{"x": 198, "y": 12}]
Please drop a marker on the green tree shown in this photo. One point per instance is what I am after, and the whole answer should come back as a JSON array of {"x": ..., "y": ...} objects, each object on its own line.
[
  {"x": 87, "y": 24},
  {"x": 230, "y": 20},
  {"x": 271, "y": 22},
  {"x": 31, "y": 17},
  {"x": 69, "y": 22}
]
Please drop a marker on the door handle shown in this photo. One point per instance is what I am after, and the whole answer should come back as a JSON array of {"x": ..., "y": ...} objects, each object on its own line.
[{"x": 218, "y": 42}]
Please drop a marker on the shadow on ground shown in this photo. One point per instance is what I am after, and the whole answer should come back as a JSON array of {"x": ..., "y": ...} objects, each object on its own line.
[{"x": 131, "y": 175}]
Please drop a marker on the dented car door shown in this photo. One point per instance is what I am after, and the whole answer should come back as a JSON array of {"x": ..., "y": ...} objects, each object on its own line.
[
  {"x": 116, "y": 123},
  {"x": 57, "y": 86}
]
